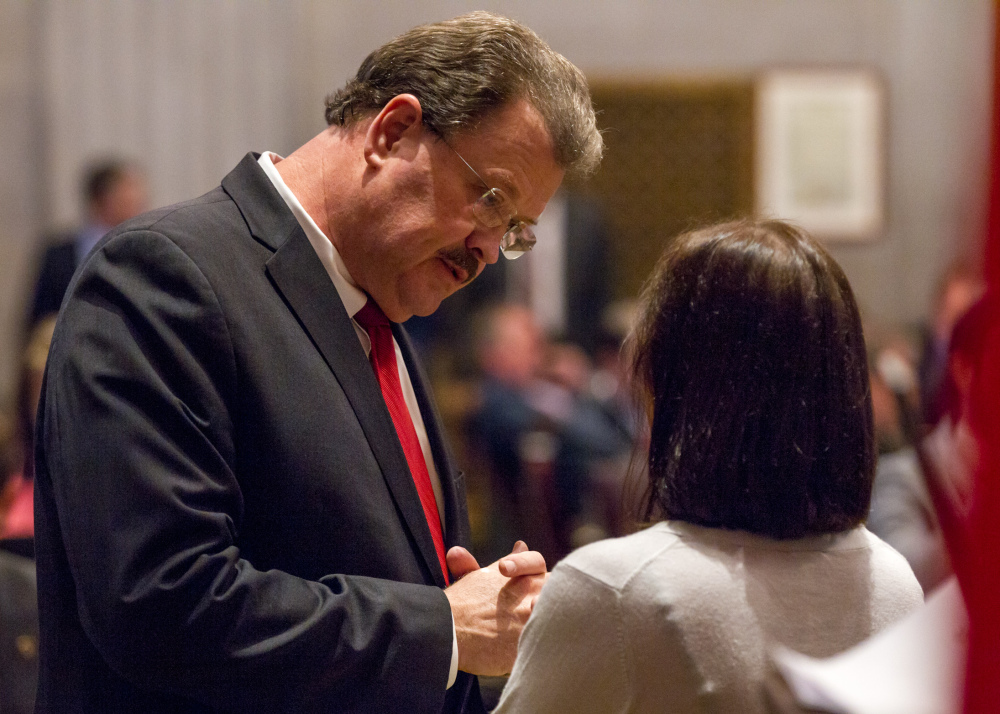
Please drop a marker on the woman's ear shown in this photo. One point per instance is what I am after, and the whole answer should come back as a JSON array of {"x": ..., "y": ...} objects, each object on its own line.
[{"x": 400, "y": 119}]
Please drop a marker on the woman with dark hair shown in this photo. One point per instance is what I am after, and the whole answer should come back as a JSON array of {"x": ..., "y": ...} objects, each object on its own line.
[{"x": 750, "y": 356}]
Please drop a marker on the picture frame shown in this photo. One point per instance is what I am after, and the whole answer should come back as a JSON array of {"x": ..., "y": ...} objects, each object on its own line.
[{"x": 819, "y": 151}]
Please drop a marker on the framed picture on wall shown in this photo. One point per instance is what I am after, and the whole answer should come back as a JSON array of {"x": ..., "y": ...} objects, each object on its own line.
[{"x": 819, "y": 155}]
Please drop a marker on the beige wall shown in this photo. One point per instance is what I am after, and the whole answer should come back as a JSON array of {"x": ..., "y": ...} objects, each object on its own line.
[
  {"x": 21, "y": 188},
  {"x": 188, "y": 86}
]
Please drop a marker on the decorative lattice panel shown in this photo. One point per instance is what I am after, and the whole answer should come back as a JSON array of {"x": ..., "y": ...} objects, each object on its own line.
[{"x": 678, "y": 154}]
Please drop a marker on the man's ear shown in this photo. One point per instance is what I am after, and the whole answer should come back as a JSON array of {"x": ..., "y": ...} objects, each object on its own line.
[{"x": 401, "y": 118}]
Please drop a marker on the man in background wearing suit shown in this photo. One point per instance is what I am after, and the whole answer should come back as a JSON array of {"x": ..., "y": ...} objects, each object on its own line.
[
  {"x": 113, "y": 191},
  {"x": 244, "y": 499}
]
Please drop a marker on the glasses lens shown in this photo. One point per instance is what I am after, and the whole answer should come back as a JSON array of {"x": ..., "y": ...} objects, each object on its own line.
[
  {"x": 517, "y": 241},
  {"x": 492, "y": 208}
]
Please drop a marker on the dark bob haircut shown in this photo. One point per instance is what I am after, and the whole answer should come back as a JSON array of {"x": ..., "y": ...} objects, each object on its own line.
[{"x": 751, "y": 357}]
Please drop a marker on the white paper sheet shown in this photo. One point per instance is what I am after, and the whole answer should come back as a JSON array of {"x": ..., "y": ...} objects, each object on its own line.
[{"x": 914, "y": 667}]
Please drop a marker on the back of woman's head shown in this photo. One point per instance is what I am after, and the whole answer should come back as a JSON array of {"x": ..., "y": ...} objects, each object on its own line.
[{"x": 751, "y": 355}]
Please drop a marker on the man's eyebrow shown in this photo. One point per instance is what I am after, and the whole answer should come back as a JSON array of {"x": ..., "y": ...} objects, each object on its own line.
[{"x": 504, "y": 183}]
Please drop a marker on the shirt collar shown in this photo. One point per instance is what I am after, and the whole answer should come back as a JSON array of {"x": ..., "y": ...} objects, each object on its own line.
[{"x": 350, "y": 294}]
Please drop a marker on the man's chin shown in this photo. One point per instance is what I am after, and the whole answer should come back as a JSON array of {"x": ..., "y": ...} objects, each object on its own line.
[
  {"x": 429, "y": 304},
  {"x": 428, "y": 308},
  {"x": 428, "y": 296}
]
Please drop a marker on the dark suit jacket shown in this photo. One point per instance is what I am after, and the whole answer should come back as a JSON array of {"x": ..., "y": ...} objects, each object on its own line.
[{"x": 225, "y": 518}]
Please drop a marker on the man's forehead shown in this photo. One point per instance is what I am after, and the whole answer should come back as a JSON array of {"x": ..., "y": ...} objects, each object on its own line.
[{"x": 511, "y": 128}]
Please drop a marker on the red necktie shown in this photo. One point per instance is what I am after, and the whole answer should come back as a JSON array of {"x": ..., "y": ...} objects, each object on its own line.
[{"x": 383, "y": 359}]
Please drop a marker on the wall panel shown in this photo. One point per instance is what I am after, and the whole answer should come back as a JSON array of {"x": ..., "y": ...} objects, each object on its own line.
[{"x": 188, "y": 86}]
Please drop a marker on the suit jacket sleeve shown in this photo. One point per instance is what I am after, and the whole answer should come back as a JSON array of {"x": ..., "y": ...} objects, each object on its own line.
[{"x": 139, "y": 458}]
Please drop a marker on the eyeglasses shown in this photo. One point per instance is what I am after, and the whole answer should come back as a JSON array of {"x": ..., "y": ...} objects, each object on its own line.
[{"x": 493, "y": 209}]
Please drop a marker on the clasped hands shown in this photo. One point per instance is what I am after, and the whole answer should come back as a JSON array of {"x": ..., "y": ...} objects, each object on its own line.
[{"x": 490, "y": 606}]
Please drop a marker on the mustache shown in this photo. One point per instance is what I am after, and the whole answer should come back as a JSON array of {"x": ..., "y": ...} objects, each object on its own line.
[{"x": 464, "y": 259}]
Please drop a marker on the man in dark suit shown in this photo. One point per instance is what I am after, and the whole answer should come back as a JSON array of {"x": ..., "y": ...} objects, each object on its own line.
[
  {"x": 244, "y": 499},
  {"x": 113, "y": 191}
]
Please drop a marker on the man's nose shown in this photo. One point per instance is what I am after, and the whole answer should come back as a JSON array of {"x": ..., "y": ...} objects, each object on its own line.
[{"x": 485, "y": 243}]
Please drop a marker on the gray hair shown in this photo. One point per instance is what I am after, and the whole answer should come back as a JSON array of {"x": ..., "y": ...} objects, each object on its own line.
[{"x": 464, "y": 69}]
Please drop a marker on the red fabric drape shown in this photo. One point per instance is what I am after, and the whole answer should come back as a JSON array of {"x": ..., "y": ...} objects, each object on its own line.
[{"x": 981, "y": 578}]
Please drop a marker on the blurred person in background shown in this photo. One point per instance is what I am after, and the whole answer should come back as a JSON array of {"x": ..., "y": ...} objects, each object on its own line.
[
  {"x": 599, "y": 437},
  {"x": 18, "y": 596},
  {"x": 18, "y": 529},
  {"x": 752, "y": 361},
  {"x": 924, "y": 471},
  {"x": 538, "y": 428},
  {"x": 114, "y": 190},
  {"x": 959, "y": 287},
  {"x": 903, "y": 512}
]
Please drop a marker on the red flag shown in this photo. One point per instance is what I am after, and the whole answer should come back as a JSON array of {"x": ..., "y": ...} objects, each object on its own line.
[{"x": 980, "y": 578}]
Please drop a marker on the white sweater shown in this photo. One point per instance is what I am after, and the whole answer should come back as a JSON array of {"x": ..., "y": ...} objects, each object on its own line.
[{"x": 679, "y": 618}]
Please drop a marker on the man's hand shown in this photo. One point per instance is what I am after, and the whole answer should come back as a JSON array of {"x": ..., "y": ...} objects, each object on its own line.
[{"x": 490, "y": 606}]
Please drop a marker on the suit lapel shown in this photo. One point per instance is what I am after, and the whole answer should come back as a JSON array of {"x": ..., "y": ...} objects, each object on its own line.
[
  {"x": 456, "y": 517},
  {"x": 298, "y": 274}
]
